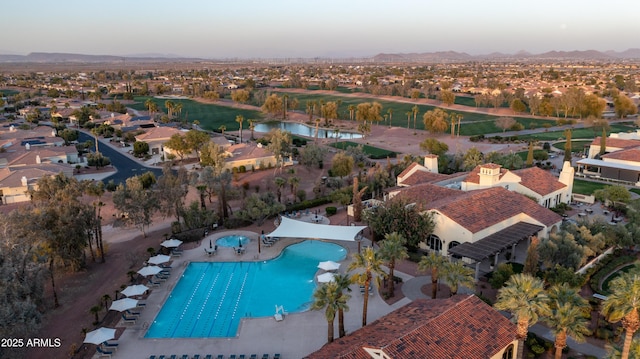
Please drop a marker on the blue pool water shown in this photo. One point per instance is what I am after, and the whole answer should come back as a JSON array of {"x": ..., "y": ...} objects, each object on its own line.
[
  {"x": 211, "y": 297},
  {"x": 232, "y": 241}
]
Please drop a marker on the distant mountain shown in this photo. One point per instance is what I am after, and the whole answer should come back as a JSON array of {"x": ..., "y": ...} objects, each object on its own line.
[
  {"x": 461, "y": 56},
  {"x": 49, "y": 57},
  {"x": 627, "y": 54}
]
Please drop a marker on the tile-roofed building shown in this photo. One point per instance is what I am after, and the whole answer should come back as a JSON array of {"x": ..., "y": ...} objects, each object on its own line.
[
  {"x": 620, "y": 162},
  {"x": 250, "y": 156},
  {"x": 462, "y": 326},
  {"x": 416, "y": 174},
  {"x": 15, "y": 182},
  {"x": 156, "y": 137},
  {"x": 535, "y": 182}
]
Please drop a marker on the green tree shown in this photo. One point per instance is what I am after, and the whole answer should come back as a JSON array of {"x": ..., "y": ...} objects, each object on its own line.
[
  {"x": 279, "y": 145},
  {"x": 138, "y": 203},
  {"x": 518, "y": 106},
  {"x": 311, "y": 155},
  {"x": 195, "y": 140},
  {"x": 178, "y": 144},
  {"x": 369, "y": 266},
  {"x": 567, "y": 146},
  {"x": 330, "y": 298},
  {"x": 341, "y": 164},
  {"x": 569, "y": 316},
  {"x": 529, "y": 161},
  {"x": 396, "y": 215},
  {"x": 213, "y": 155},
  {"x": 140, "y": 148},
  {"x": 172, "y": 188},
  {"x": 614, "y": 193},
  {"x": 240, "y": 120},
  {"x": 434, "y": 146},
  {"x": 344, "y": 282},
  {"x": 525, "y": 298},
  {"x": 472, "y": 158},
  {"x": 505, "y": 123},
  {"x": 532, "y": 259},
  {"x": 391, "y": 250},
  {"x": 623, "y": 304},
  {"x": 258, "y": 207},
  {"x": 273, "y": 105},
  {"x": 434, "y": 263},
  {"x": 240, "y": 96},
  {"x": 435, "y": 121},
  {"x": 624, "y": 106},
  {"x": 456, "y": 274},
  {"x": 447, "y": 97}
]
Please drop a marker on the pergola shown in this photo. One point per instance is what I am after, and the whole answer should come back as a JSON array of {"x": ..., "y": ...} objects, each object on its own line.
[
  {"x": 495, "y": 243},
  {"x": 291, "y": 228}
]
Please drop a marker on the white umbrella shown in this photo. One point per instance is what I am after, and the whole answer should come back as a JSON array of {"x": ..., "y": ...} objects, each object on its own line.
[
  {"x": 133, "y": 290},
  {"x": 326, "y": 277},
  {"x": 149, "y": 270},
  {"x": 159, "y": 259},
  {"x": 329, "y": 265},
  {"x": 100, "y": 335},
  {"x": 171, "y": 243},
  {"x": 123, "y": 304}
]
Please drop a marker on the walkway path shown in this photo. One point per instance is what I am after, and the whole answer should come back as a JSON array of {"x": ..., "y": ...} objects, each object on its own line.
[{"x": 412, "y": 290}]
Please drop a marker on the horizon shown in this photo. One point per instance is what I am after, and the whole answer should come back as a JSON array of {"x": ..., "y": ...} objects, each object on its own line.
[{"x": 332, "y": 29}]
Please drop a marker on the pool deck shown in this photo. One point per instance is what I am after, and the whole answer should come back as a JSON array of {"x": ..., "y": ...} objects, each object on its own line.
[{"x": 297, "y": 335}]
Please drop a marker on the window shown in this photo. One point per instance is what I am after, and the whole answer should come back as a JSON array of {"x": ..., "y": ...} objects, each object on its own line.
[
  {"x": 434, "y": 243},
  {"x": 508, "y": 353}
]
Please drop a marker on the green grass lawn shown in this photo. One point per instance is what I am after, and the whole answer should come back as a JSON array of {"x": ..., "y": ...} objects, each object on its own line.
[
  {"x": 211, "y": 116},
  {"x": 373, "y": 152},
  {"x": 576, "y": 146},
  {"x": 523, "y": 154},
  {"x": 586, "y": 187},
  {"x": 8, "y": 92},
  {"x": 578, "y": 133},
  {"x": 635, "y": 190}
]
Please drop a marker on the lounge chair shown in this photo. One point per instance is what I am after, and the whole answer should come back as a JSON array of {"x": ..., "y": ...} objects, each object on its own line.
[
  {"x": 276, "y": 356},
  {"x": 176, "y": 252},
  {"x": 220, "y": 356},
  {"x": 242, "y": 356},
  {"x": 103, "y": 353},
  {"x": 253, "y": 356},
  {"x": 184, "y": 356},
  {"x": 110, "y": 346},
  {"x": 232, "y": 356},
  {"x": 127, "y": 319},
  {"x": 153, "y": 283},
  {"x": 196, "y": 356},
  {"x": 265, "y": 356}
]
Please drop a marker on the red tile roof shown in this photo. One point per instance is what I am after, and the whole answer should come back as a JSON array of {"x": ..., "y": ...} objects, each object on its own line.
[
  {"x": 425, "y": 194},
  {"x": 631, "y": 154},
  {"x": 462, "y": 326},
  {"x": 616, "y": 142},
  {"x": 480, "y": 209},
  {"x": 539, "y": 181},
  {"x": 474, "y": 175}
]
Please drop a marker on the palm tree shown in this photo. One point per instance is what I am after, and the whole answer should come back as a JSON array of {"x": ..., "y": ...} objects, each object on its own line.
[
  {"x": 408, "y": 113},
  {"x": 614, "y": 352},
  {"x": 240, "y": 120},
  {"x": 569, "y": 313},
  {"x": 456, "y": 274},
  {"x": 415, "y": 109},
  {"x": 390, "y": 113},
  {"x": 222, "y": 128},
  {"x": 434, "y": 262},
  {"x": 624, "y": 305},
  {"x": 279, "y": 182},
  {"x": 329, "y": 297},
  {"x": 178, "y": 108},
  {"x": 294, "y": 182},
  {"x": 392, "y": 249},
  {"x": 252, "y": 126},
  {"x": 352, "y": 111},
  {"x": 370, "y": 264},
  {"x": 170, "y": 106},
  {"x": 343, "y": 281},
  {"x": 523, "y": 295},
  {"x": 317, "y": 128}
]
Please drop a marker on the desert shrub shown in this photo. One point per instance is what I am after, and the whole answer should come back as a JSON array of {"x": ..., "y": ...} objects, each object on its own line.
[{"x": 331, "y": 210}]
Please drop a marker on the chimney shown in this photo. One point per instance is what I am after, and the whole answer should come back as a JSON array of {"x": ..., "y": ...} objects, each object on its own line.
[
  {"x": 24, "y": 181},
  {"x": 566, "y": 177},
  {"x": 27, "y": 147},
  {"x": 38, "y": 160},
  {"x": 431, "y": 163},
  {"x": 489, "y": 174}
]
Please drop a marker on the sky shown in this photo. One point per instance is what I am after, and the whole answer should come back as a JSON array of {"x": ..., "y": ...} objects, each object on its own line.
[{"x": 313, "y": 28}]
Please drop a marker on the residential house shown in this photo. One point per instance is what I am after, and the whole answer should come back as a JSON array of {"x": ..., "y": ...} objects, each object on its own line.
[
  {"x": 620, "y": 161},
  {"x": 462, "y": 326},
  {"x": 251, "y": 156},
  {"x": 156, "y": 137},
  {"x": 16, "y": 182}
]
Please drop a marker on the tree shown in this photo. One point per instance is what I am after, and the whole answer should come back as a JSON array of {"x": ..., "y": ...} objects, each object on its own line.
[
  {"x": 357, "y": 200},
  {"x": 505, "y": 123},
  {"x": 369, "y": 265},
  {"x": 341, "y": 164},
  {"x": 279, "y": 145},
  {"x": 240, "y": 96},
  {"x": 623, "y": 304},
  {"x": 140, "y": 148},
  {"x": 258, "y": 207},
  {"x": 456, "y": 274},
  {"x": 240, "y": 120},
  {"x": 531, "y": 261},
  {"x": 344, "y": 282},
  {"x": 172, "y": 188},
  {"x": 624, "y": 106},
  {"x": 567, "y": 146},
  {"x": 569, "y": 313},
  {"x": 195, "y": 140},
  {"x": 434, "y": 146},
  {"x": 212, "y": 154},
  {"x": 525, "y": 298},
  {"x": 273, "y": 105},
  {"x": 435, "y": 263},
  {"x": 613, "y": 194},
  {"x": 415, "y": 110},
  {"x": 311, "y": 155},
  {"x": 330, "y": 298},
  {"x": 447, "y": 97},
  {"x": 529, "y": 161},
  {"x": 435, "y": 121},
  {"x": 392, "y": 250},
  {"x": 178, "y": 144},
  {"x": 518, "y": 106},
  {"x": 136, "y": 203},
  {"x": 472, "y": 158},
  {"x": 396, "y": 215}
]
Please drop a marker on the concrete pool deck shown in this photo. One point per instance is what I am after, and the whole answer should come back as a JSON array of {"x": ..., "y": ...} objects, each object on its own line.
[{"x": 296, "y": 336}]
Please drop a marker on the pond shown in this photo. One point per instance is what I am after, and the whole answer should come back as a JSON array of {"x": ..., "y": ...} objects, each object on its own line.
[{"x": 301, "y": 129}]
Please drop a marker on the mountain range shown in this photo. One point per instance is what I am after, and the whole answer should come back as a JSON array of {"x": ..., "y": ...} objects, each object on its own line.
[{"x": 48, "y": 57}]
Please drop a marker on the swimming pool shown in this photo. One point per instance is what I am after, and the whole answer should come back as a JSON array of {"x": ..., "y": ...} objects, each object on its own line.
[
  {"x": 211, "y": 298},
  {"x": 232, "y": 241}
]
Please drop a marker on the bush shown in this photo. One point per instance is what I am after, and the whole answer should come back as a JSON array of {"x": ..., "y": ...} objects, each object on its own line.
[
  {"x": 234, "y": 222},
  {"x": 242, "y": 169},
  {"x": 308, "y": 204},
  {"x": 331, "y": 210}
]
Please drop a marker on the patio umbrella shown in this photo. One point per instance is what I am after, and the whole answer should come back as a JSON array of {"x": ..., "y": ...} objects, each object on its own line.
[
  {"x": 149, "y": 270},
  {"x": 210, "y": 245},
  {"x": 159, "y": 259},
  {"x": 100, "y": 335},
  {"x": 171, "y": 243},
  {"x": 329, "y": 265},
  {"x": 134, "y": 290},
  {"x": 326, "y": 277},
  {"x": 123, "y": 304}
]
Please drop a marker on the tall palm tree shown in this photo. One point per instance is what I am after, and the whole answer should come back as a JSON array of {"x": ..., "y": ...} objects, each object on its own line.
[
  {"x": 240, "y": 120},
  {"x": 222, "y": 128},
  {"x": 523, "y": 296},
  {"x": 370, "y": 264},
  {"x": 317, "y": 127},
  {"x": 252, "y": 126},
  {"x": 456, "y": 274},
  {"x": 624, "y": 305},
  {"x": 569, "y": 313},
  {"x": 170, "y": 106},
  {"x": 408, "y": 113},
  {"x": 434, "y": 262},
  {"x": 415, "y": 109},
  {"x": 352, "y": 111},
  {"x": 391, "y": 250},
  {"x": 343, "y": 281},
  {"x": 614, "y": 352},
  {"x": 329, "y": 297},
  {"x": 178, "y": 108},
  {"x": 390, "y": 113},
  {"x": 294, "y": 182}
]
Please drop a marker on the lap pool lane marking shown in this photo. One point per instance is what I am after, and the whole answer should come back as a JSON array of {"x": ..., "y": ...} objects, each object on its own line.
[{"x": 203, "y": 305}]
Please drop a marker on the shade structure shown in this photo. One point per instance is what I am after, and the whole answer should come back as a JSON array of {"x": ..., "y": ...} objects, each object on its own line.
[
  {"x": 326, "y": 277},
  {"x": 149, "y": 270},
  {"x": 133, "y": 290},
  {"x": 329, "y": 265},
  {"x": 291, "y": 228},
  {"x": 159, "y": 259},
  {"x": 123, "y": 304},
  {"x": 100, "y": 335},
  {"x": 171, "y": 243}
]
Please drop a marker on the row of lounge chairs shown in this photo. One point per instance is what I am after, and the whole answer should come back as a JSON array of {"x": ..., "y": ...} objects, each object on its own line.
[
  {"x": 131, "y": 316},
  {"x": 209, "y": 356},
  {"x": 268, "y": 241},
  {"x": 106, "y": 349}
]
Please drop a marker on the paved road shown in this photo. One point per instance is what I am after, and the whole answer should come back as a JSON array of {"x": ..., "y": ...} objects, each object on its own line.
[{"x": 126, "y": 166}]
